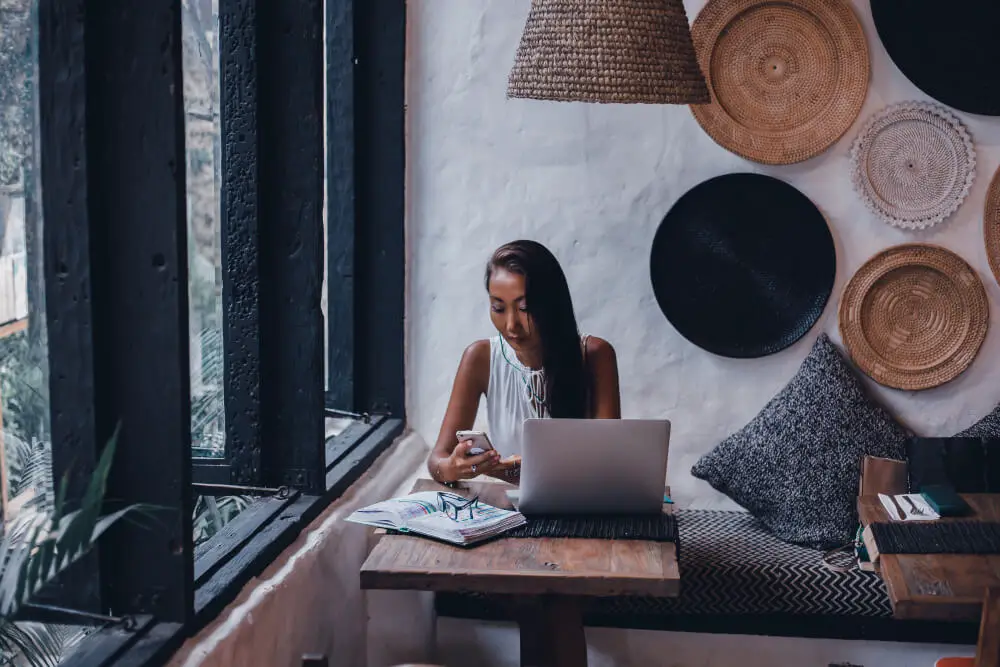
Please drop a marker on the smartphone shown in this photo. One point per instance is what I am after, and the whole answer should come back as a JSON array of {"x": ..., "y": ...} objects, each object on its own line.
[{"x": 480, "y": 441}]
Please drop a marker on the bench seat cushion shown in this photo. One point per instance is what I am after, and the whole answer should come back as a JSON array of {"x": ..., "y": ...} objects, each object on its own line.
[{"x": 731, "y": 564}]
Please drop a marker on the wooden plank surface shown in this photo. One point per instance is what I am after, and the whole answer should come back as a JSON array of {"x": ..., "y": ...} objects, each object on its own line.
[
  {"x": 528, "y": 566},
  {"x": 938, "y": 586}
]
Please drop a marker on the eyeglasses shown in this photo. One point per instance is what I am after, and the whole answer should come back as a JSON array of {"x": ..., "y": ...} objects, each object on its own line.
[{"x": 454, "y": 505}]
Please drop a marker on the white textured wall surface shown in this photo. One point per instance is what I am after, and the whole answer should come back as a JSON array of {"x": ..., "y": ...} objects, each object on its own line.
[{"x": 593, "y": 182}]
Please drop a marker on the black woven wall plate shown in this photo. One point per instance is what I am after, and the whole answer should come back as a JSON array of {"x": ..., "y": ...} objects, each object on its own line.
[
  {"x": 949, "y": 51},
  {"x": 743, "y": 265}
]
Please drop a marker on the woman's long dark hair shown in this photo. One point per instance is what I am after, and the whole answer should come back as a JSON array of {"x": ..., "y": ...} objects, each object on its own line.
[{"x": 551, "y": 309}]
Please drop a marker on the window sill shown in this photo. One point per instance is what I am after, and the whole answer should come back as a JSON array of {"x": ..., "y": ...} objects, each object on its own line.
[{"x": 240, "y": 552}]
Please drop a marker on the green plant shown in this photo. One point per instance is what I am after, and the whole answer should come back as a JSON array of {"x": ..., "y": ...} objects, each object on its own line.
[
  {"x": 29, "y": 467},
  {"x": 211, "y": 514},
  {"x": 38, "y": 645},
  {"x": 36, "y": 547},
  {"x": 23, "y": 389},
  {"x": 15, "y": 90}
]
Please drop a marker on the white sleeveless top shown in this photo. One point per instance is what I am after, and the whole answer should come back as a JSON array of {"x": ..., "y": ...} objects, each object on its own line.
[{"x": 515, "y": 393}]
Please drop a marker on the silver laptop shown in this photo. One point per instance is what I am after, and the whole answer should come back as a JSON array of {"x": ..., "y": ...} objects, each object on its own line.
[{"x": 593, "y": 466}]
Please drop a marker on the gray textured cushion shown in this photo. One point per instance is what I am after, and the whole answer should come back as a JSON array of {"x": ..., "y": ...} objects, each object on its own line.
[
  {"x": 796, "y": 465},
  {"x": 987, "y": 427}
]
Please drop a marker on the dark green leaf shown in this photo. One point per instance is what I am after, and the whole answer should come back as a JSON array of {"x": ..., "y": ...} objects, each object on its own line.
[{"x": 36, "y": 645}]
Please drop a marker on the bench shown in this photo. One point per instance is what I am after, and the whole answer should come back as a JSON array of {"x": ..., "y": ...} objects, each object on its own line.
[{"x": 737, "y": 578}]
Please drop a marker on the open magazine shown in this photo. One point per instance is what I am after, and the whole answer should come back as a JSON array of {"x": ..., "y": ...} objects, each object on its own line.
[
  {"x": 441, "y": 515},
  {"x": 908, "y": 507}
]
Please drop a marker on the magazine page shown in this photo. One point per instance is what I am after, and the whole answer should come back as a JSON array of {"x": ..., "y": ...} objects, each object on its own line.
[
  {"x": 397, "y": 512},
  {"x": 477, "y": 522}
]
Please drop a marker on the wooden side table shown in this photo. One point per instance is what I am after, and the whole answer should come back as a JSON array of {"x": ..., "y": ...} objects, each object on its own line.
[
  {"x": 948, "y": 587},
  {"x": 544, "y": 580}
]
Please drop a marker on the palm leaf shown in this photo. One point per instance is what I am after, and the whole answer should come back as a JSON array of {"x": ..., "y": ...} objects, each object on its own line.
[
  {"x": 44, "y": 544},
  {"x": 33, "y": 643},
  {"x": 29, "y": 466},
  {"x": 14, "y": 578},
  {"x": 18, "y": 454},
  {"x": 77, "y": 535},
  {"x": 37, "y": 644}
]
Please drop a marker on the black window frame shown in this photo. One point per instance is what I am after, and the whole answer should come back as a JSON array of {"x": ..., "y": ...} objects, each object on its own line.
[{"x": 115, "y": 267}]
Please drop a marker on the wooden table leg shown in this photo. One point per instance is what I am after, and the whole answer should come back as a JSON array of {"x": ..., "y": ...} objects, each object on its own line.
[
  {"x": 552, "y": 633},
  {"x": 988, "y": 649}
]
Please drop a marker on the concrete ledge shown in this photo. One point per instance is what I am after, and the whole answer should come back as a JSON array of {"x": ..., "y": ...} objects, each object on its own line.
[{"x": 309, "y": 600}]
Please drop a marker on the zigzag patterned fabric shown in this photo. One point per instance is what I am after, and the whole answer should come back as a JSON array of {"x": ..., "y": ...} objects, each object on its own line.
[{"x": 731, "y": 564}]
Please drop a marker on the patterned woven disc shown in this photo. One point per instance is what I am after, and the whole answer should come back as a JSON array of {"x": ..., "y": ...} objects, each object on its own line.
[
  {"x": 950, "y": 55},
  {"x": 787, "y": 78},
  {"x": 914, "y": 316},
  {"x": 991, "y": 225},
  {"x": 913, "y": 164},
  {"x": 743, "y": 265}
]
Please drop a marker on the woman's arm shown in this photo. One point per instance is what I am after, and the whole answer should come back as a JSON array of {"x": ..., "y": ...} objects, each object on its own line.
[
  {"x": 471, "y": 382},
  {"x": 602, "y": 365}
]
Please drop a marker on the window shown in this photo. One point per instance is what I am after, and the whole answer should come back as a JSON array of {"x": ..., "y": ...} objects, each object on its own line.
[
  {"x": 200, "y": 57},
  {"x": 200, "y": 65},
  {"x": 24, "y": 404},
  {"x": 26, "y": 478},
  {"x": 222, "y": 182}
]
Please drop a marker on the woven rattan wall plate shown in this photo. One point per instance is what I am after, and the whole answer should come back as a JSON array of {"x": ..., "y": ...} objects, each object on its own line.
[
  {"x": 743, "y": 265},
  {"x": 787, "y": 78},
  {"x": 913, "y": 164},
  {"x": 991, "y": 225},
  {"x": 914, "y": 316}
]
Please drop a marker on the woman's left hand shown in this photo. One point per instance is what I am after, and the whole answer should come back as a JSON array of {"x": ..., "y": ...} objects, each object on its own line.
[
  {"x": 508, "y": 469},
  {"x": 512, "y": 461}
]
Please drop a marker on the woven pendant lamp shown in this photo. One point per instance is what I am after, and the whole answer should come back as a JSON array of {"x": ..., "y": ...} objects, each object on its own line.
[{"x": 615, "y": 51}]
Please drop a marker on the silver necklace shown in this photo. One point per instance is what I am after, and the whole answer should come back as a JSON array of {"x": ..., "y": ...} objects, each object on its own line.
[{"x": 535, "y": 394}]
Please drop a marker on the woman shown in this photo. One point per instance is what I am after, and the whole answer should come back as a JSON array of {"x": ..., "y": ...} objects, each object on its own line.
[{"x": 538, "y": 366}]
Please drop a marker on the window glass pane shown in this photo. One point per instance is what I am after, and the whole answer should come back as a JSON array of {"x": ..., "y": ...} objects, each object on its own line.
[
  {"x": 201, "y": 107},
  {"x": 26, "y": 480},
  {"x": 26, "y": 450},
  {"x": 324, "y": 299},
  {"x": 211, "y": 513}
]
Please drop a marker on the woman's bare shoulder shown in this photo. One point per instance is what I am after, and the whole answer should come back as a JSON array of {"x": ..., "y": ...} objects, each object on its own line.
[
  {"x": 475, "y": 364},
  {"x": 477, "y": 352},
  {"x": 600, "y": 348}
]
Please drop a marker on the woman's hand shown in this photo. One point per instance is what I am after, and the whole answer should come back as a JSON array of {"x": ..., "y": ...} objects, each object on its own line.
[
  {"x": 461, "y": 465},
  {"x": 508, "y": 469}
]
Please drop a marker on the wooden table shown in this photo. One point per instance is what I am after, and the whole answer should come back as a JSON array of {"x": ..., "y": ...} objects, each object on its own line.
[
  {"x": 938, "y": 586},
  {"x": 545, "y": 580}
]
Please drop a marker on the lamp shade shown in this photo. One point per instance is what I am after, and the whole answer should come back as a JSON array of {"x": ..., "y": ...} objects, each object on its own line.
[{"x": 614, "y": 51}]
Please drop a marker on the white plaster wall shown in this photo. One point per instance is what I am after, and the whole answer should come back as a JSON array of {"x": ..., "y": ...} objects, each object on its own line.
[{"x": 593, "y": 182}]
